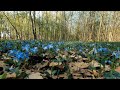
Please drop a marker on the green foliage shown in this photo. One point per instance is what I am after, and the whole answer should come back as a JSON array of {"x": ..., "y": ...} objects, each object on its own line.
[
  {"x": 111, "y": 75},
  {"x": 3, "y": 76}
]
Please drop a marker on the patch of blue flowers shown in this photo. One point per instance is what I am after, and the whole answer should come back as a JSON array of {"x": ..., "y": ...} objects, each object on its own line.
[
  {"x": 34, "y": 50},
  {"x": 18, "y": 55},
  {"x": 46, "y": 47},
  {"x": 116, "y": 54},
  {"x": 102, "y": 50}
]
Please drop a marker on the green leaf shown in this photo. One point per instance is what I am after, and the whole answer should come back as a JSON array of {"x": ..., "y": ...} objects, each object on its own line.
[
  {"x": 54, "y": 72},
  {"x": 111, "y": 75},
  {"x": 3, "y": 76}
]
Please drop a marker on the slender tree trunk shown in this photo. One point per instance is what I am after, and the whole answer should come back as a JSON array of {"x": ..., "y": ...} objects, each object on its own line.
[{"x": 33, "y": 24}]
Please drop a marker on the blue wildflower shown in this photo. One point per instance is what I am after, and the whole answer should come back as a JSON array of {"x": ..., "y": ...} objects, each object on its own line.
[
  {"x": 80, "y": 50},
  {"x": 57, "y": 49},
  {"x": 26, "y": 47},
  {"x": 34, "y": 50},
  {"x": 91, "y": 45},
  {"x": 12, "y": 52},
  {"x": 45, "y": 48},
  {"x": 66, "y": 49},
  {"x": 95, "y": 51},
  {"x": 102, "y": 50},
  {"x": 116, "y": 54},
  {"x": 50, "y": 46},
  {"x": 108, "y": 62},
  {"x": 60, "y": 43},
  {"x": 21, "y": 55}
]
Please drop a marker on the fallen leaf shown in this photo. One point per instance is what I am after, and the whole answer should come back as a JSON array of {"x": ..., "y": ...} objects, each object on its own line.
[
  {"x": 2, "y": 64},
  {"x": 94, "y": 63},
  {"x": 107, "y": 68},
  {"x": 72, "y": 56},
  {"x": 81, "y": 64},
  {"x": 13, "y": 75},
  {"x": 76, "y": 76},
  {"x": 85, "y": 59},
  {"x": 39, "y": 65},
  {"x": 73, "y": 67},
  {"x": 78, "y": 57},
  {"x": 77, "y": 66},
  {"x": 95, "y": 73},
  {"x": 87, "y": 74},
  {"x": 117, "y": 69},
  {"x": 35, "y": 76},
  {"x": 28, "y": 71},
  {"x": 54, "y": 64},
  {"x": 64, "y": 76},
  {"x": 82, "y": 71}
]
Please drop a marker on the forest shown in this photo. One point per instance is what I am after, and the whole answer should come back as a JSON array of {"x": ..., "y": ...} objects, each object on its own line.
[
  {"x": 59, "y": 44},
  {"x": 60, "y": 25}
]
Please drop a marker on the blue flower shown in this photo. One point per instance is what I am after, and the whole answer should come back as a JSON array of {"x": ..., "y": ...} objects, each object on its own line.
[
  {"x": 50, "y": 46},
  {"x": 26, "y": 47},
  {"x": 108, "y": 62},
  {"x": 95, "y": 51},
  {"x": 9, "y": 45},
  {"x": 60, "y": 43},
  {"x": 66, "y": 49},
  {"x": 116, "y": 54},
  {"x": 34, "y": 50},
  {"x": 102, "y": 50},
  {"x": 12, "y": 52},
  {"x": 57, "y": 49},
  {"x": 93, "y": 44},
  {"x": 21, "y": 55},
  {"x": 80, "y": 50},
  {"x": 45, "y": 48}
]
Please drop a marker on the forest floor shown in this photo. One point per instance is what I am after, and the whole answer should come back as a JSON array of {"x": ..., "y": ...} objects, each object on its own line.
[{"x": 59, "y": 60}]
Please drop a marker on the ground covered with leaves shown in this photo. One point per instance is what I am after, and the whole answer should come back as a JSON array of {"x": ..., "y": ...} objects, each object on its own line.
[{"x": 34, "y": 59}]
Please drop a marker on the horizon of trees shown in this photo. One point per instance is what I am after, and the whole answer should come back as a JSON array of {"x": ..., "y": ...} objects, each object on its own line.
[{"x": 60, "y": 25}]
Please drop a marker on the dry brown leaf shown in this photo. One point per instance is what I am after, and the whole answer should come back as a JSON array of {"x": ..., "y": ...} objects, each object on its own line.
[
  {"x": 117, "y": 69},
  {"x": 72, "y": 52},
  {"x": 76, "y": 76},
  {"x": 77, "y": 66},
  {"x": 39, "y": 65},
  {"x": 2, "y": 64},
  {"x": 95, "y": 73},
  {"x": 28, "y": 71},
  {"x": 72, "y": 67},
  {"x": 82, "y": 71},
  {"x": 87, "y": 74},
  {"x": 54, "y": 64},
  {"x": 107, "y": 68},
  {"x": 13, "y": 75},
  {"x": 64, "y": 56},
  {"x": 76, "y": 57},
  {"x": 94, "y": 63},
  {"x": 54, "y": 77},
  {"x": 85, "y": 59},
  {"x": 35, "y": 76},
  {"x": 64, "y": 76},
  {"x": 72, "y": 56},
  {"x": 65, "y": 53},
  {"x": 81, "y": 64}
]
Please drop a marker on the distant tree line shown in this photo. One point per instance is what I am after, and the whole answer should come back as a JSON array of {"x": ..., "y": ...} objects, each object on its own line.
[{"x": 60, "y": 25}]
